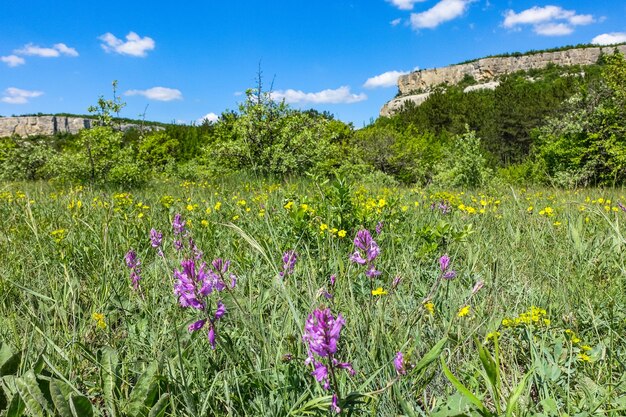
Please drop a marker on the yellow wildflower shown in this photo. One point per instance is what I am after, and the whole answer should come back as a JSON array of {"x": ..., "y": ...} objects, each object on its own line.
[
  {"x": 463, "y": 311},
  {"x": 379, "y": 291},
  {"x": 430, "y": 307},
  {"x": 99, "y": 318},
  {"x": 583, "y": 357},
  {"x": 341, "y": 233}
]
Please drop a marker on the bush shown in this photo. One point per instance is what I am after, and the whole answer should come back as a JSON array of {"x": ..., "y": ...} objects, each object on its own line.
[{"x": 465, "y": 165}]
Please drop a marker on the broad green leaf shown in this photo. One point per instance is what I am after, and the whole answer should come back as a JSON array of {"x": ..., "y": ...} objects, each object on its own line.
[
  {"x": 9, "y": 361},
  {"x": 462, "y": 389},
  {"x": 80, "y": 406},
  {"x": 512, "y": 402},
  {"x": 431, "y": 356},
  {"x": 143, "y": 393},
  {"x": 158, "y": 409},
  {"x": 108, "y": 375},
  {"x": 490, "y": 367},
  {"x": 60, "y": 392},
  {"x": 32, "y": 396},
  {"x": 16, "y": 407}
]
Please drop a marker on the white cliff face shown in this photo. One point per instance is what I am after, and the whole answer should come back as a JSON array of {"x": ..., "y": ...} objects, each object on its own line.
[
  {"x": 485, "y": 70},
  {"x": 25, "y": 126}
]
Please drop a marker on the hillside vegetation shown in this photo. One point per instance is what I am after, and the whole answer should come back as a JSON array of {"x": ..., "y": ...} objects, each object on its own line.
[{"x": 560, "y": 125}]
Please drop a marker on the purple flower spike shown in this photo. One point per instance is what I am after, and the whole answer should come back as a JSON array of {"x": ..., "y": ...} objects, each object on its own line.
[
  {"x": 396, "y": 282},
  {"x": 211, "y": 336},
  {"x": 399, "y": 364},
  {"x": 444, "y": 262},
  {"x": 621, "y": 206},
  {"x": 196, "y": 325},
  {"x": 133, "y": 262},
  {"x": 451, "y": 274},
  {"x": 289, "y": 262},
  {"x": 363, "y": 239},
  {"x": 321, "y": 332},
  {"x": 332, "y": 280},
  {"x": 178, "y": 224},
  {"x": 221, "y": 310},
  {"x": 156, "y": 238},
  {"x": 356, "y": 258},
  {"x": 321, "y": 374},
  {"x": 334, "y": 405},
  {"x": 379, "y": 227}
]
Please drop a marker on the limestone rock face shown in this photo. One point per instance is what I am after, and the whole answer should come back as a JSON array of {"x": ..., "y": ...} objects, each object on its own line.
[
  {"x": 486, "y": 70},
  {"x": 25, "y": 126},
  {"x": 397, "y": 103}
]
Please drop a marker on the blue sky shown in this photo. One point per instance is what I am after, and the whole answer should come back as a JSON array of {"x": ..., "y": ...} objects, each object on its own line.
[{"x": 189, "y": 59}]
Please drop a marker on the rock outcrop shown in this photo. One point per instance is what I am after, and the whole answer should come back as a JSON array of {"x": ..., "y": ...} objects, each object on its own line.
[
  {"x": 487, "y": 70},
  {"x": 25, "y": 126}
]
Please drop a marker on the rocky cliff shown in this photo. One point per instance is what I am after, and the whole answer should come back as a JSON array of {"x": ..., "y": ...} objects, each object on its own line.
[
  {"x": 25, "y": 126},
  {"x": 486, "y": 70}
]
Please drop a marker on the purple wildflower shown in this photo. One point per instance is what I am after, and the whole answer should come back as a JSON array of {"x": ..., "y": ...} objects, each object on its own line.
[
  {"x": 221, "y": 310},
  {"x": 196, "y": 325},
  {"x": 178, "y": 245},
  {"x": 444, "y": 265},
  {"x": 134, "y": 264},
  {"x": 320, "y": 372},
  {"x": 156, "y": 238},
  {"x": 396, "y": 282},
  {"x": 191, "y": 285},
  {"x": 211, "y": 336},
  {"x": 367, "y": 250},
  {"x": 131, "y": 259},
  {"x": 332, "y": 280},
  {"x": 399, "y": 364},
  {"x": 334, "y": 405},
  {"x": 289, "y": 262},
  {"x": 322, "y": 332},
  {"x": 178, "y": 224},
  {"x": 379, "y": 227},
  {"x": 621, "y": 206}
]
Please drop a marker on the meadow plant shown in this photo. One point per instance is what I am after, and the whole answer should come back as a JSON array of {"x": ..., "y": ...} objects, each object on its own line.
[{"x": 367, "y": 250}]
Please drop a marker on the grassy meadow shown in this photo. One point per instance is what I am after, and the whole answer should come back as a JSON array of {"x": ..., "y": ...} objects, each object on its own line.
[{"x": 508, "y": 301}]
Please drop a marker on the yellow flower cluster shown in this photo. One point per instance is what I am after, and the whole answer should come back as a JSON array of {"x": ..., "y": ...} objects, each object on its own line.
[
  {"x": 99, "y": 318},
  {"x": 58, "y": 235},
  {"x": 534, "y": 316}
]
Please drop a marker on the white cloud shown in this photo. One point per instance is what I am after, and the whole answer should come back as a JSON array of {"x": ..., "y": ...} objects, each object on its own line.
[
  {"x": 12, "y": 60},
  {"x": 609, "y": 38},
  {"x": 135, "y": 45},
  {"x": 395, "y": 22},
  {"x": 386, "y": 79},
  {"x": 405, "y": 4},
  {"x": 56, "y": 51},
  {"x": 14, "y": 95},
  {"x": 553, "y": 29},
  {"x": 336, "y": 96},
  {"x": 210, "y": 117},
  {"x": 547, "y": 20},
  {"x": 441, "y": 12},
  {"x": 157, "y": 93}
]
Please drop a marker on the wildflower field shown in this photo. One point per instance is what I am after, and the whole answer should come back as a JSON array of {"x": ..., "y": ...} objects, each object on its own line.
[{"x": 251, "y": 298}]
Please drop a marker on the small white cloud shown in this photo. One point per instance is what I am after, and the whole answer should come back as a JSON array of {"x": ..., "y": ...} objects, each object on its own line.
[
  {"x": 395, "y": 22},
  {"x": 329, "y": 96},
  {"x": 14, "y": 95},
  {"x": 609, "y": 38},
  {"x": 405, "y": 4},
  {"x": 65, "y": 50},
  {"x": 386, "y": 79},
  {"x": 135, "y": 45},
  {"x": 210, "y": 117},
  {"x": 157, "y": 93},
  {"x": 12, "y": 60},
  {"x": 553, "y": 29},
  {"x": 441, "y": 12},
  {"x": 56, "y": 51},
  {"x": 547, "y": 20}
]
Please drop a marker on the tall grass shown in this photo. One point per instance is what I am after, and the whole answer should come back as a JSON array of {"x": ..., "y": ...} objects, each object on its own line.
[{"x": 140, "y": 359}]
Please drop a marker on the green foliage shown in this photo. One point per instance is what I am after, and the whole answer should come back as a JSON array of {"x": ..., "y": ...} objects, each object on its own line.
[
  {"x": 158, "y": 149},
  {"x": 24, "y": 159},
  {"x": 585, "y": 144},
  {"x": 464, "y": 165}
]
